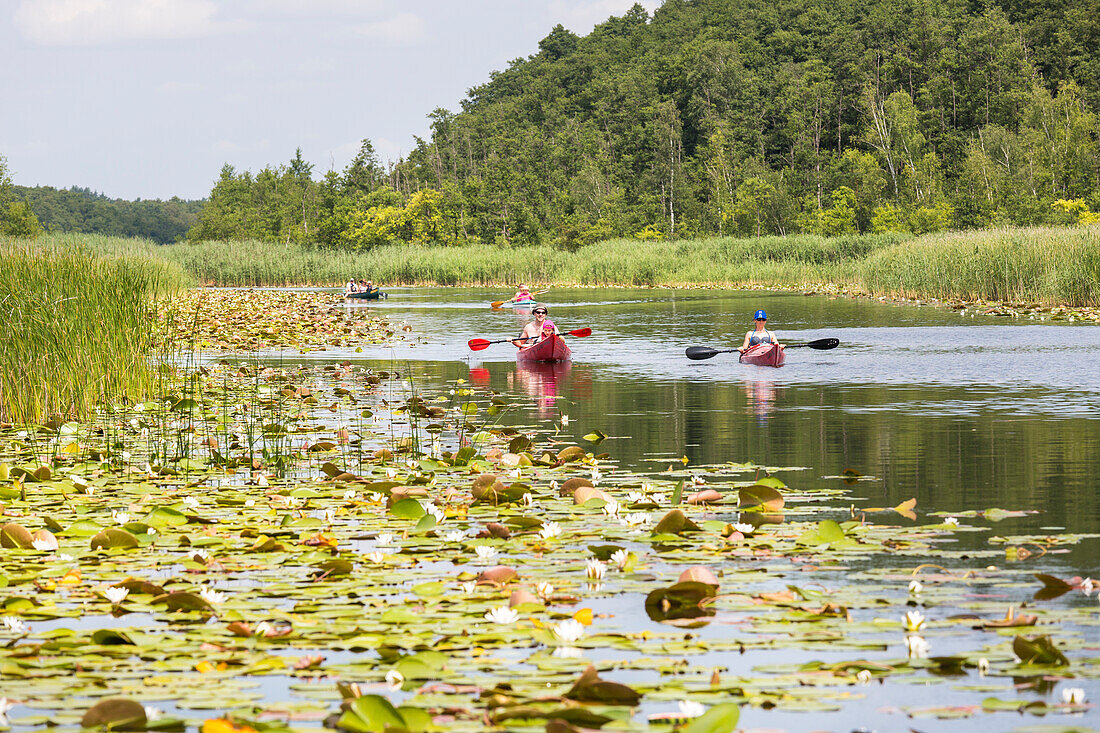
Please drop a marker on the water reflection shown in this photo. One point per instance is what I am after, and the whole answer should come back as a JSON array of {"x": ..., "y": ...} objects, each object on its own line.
[
  {"x": 760, "y": 395},
  {"x": 542, "y": 381}
]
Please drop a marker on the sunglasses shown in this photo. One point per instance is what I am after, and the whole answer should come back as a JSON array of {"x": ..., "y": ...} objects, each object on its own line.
[{"x": 539, "y": 313}]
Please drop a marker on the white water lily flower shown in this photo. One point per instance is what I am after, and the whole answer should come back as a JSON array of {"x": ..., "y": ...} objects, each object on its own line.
[
  {"x": 544, "y": 589},
  {"x": 951, "y": 522},
  {"x": 916, "y": 646},
  {"x": 391, "y": 472},
  {"x": 568, "y": 631},
  {"x": 394, "y": 679},
  {"x": 383, "y": 540},
  {"x": 42, "y": 545},
  {"x": 211, "y": 596},
  {"x": 1073, "y": 695},
  {"x": 596, "y": 476},
  {"x": 119, "y": 517},
  {"x": 378, "y": 557},
  {"x": 527, "y": 500},
  {"x": 502, "y": 615},
  {"x": 515, "y": 473},
  {"x": 636, "y": 519},
  {"x": 116, "y": 595},
  {"x": 14, "y": 624},
  {"x": 89, "y": 490},
  {"x": 350, "y": 494},
  {"x": 634, "y": 497},
  {"x": 863, "y": 676},
  {"x": 484, "y": 552},
  {"x": 564, "y": 419},
  {"x": 983, "y": 666},
  {"x": 1088, "y": 585},
  {"x": 250, "y": 502},
  {"x": 292, "y": 501},
  {"x": 594, "y": 569},
  {"x": 455, "y": 535},
  {"x": 915, "y": 587},
  {"x": 261, "y": 480},
  {"x": 554, "y": 485},
  {"x": 914, "y": 620},
  {"x": 469, "y": 587},
  {"x": 611, "y": 508},
  {"x": 152, "y": 713},
  {"x": 374, "y": 497},
  {"x": 263, "y": 629},
  {"x": 5, "y": 706},
  {"x": 744, "y": 527},
  {"x": 126, "y": 456},
  {"x": 198, "y": 554},
  {"x": 62, "y": 557},
  {"x": 329, "y": 515},
  {"x": 436, "y": 512},
  {"x": 691, "y": 709},
  {"x": 150, "y": 531},
  {"x": 550, "y": 530},
  {"x": 620, "y": 558},
  {"x": 190, "y": 502},
  {"x": 657, "y": 498},
  {"x": 698, "y": 480},
  {"x": 567, "y": 652}
]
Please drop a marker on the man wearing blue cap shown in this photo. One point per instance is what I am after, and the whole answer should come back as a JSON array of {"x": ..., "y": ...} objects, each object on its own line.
[{"x": 760, "y": 334}]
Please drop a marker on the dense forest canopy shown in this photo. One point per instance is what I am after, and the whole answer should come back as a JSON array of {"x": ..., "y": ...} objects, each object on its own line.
[{"x": 744, "y": 117}]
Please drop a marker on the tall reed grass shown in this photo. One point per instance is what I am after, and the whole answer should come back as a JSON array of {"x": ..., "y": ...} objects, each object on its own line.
[
  {"x": 79, "y": 326},
  {"x": 763, "y": 261},
  {"x": 1050, "y": 266}
]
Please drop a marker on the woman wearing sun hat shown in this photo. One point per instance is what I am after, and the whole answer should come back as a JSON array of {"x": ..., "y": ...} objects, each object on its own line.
[{"x": 760, "y": 334}]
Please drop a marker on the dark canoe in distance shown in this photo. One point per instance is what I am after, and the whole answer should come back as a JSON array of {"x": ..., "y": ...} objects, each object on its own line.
[{"x": 367, "y": 295}]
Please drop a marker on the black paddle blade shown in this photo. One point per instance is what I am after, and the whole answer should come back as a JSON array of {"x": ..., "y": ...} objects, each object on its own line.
[
  {"x": 700, "y": 352},
  {"x": 824, "y": 344}
]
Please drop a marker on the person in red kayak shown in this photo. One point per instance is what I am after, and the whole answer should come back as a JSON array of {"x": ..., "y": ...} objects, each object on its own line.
[
  {"x": 536, "y": 330},
  {"x": 760, "y": 334}
]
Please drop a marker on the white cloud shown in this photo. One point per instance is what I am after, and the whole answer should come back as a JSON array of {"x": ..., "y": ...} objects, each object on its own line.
[
  {"x": 90, "y": 22},
  {"x": 581, "y": 17},
  {"x": 313, "y": 8},
  {"x": 404, "y": 29}
]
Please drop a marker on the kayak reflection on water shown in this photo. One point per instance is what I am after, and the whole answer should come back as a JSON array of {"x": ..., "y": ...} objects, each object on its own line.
[
  {"x": 760, "y": 395},
  {"x": 541, "y": 380}
]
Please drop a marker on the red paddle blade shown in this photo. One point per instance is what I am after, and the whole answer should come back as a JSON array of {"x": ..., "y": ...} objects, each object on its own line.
[
  {"x": 581, "y": 332},
  {"x": 478, "y": 344}
]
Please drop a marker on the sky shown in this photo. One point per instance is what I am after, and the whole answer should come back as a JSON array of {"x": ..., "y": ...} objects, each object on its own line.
[{"x": 149, "y": 98}]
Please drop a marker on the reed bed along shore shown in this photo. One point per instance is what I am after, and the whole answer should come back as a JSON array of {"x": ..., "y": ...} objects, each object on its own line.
[{"x": 79, "y": 326}]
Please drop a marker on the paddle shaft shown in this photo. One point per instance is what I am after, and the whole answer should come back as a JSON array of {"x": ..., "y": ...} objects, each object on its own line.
[
  {"x": 705, "y": 352},
  {"x": 479, "y": 344},
  {"x": 499, "y": 303}
]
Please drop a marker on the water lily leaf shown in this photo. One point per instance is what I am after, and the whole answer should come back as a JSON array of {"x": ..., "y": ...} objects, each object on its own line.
[
  {"x": 13, "y": 535},
  {"x": 771, "y": 482},
  {"x": 1012, "y": 619},
  {"x": 604, "y": 552},
  {"x": 1052, "y": 587},
  {"x": 115, "y": 714},
  {"x": 183, "y": 601},
  {"x": 760, "y": 495},
  {"x": 519, "y": 444},
  {"x": 682, "y": 600},
  {"x": 163, "y": 516},
  {"x": 407, "y": 509},
  {"x": 570, "y": 486},
  {"x": 721, "y": 718},
  {"x": 431, "y": 589},
  {"x": 427, "y": 522},
  {"x": 497, "y": 575},
  {"x": 1038, "y": 650},
  {"x": 424, "y": 665},
  {"x": 114, "y": 537},
  {"x": 675, "y": 523},
  {"x": 371, "y": 714},
  {"x": 905, "y": 509},
  {"x": 596, "y": 436},
  {"x": 111, "y": 637},
  {"x": 134, "y": 585},
  {"x": 590, "y": 688},
  {"x": 570, "y": 454},
  {"x": 335, "y": 566}
]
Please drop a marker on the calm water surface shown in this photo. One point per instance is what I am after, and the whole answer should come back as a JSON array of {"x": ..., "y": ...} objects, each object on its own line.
[{"x": 961, "y": 412}]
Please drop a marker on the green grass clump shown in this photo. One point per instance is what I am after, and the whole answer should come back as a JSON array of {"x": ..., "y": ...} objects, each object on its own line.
[
  {"x": 79, "y": 327},
  {"x": 1051, "y": 266}
]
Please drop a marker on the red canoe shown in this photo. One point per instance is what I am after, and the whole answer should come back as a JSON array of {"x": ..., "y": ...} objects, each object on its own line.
[
  {"x": 764, "y": 355},
  {"x": 549, "y": 349}
]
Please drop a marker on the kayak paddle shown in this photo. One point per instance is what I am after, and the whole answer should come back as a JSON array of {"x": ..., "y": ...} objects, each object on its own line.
[
  {"x": 479, "y": 344},
  {"x": 498, "y": 303},
  {"x": 705, "y": 352}
]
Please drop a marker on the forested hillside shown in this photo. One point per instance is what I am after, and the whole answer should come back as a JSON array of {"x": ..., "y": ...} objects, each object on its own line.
[
  {"x": 730, "y": 117},
  {"x": 85, "y": 211}
]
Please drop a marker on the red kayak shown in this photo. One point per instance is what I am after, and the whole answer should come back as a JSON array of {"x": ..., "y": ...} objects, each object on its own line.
[
  {"x": 549, "y": 349},
  {"x": 764, "y": 355}
]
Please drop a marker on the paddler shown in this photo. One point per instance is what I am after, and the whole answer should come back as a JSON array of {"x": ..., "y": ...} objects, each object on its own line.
[
  {"x": 537, "y": 330},
  {"x": 760, "y": 334},
  {"x": 523, "y": 296}
]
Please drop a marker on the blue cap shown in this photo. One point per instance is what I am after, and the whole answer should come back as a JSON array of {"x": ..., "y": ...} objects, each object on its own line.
[{"x": 759, "y": 316}]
